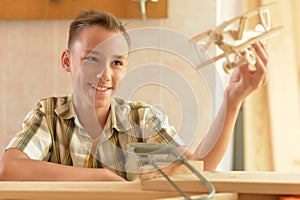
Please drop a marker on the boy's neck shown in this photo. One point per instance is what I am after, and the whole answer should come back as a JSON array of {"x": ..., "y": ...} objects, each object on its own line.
[
  {"x": 93, "y": 124},
  {"x": 102, "y": 115}
]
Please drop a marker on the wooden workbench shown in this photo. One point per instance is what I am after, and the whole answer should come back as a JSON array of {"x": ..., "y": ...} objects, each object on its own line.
[
  {"x": 88, "y": 190},
  {"x": 229, "y": 185},
  {"x": 248, "y": 185}
]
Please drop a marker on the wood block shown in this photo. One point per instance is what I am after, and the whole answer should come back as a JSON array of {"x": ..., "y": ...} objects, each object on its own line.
[
  {"x": 84, "y": 190},
  {"x": 236, "y": 182},
  {"x": 148, "y": 172},
  {"x": 258, "y": 197},
  {"x": 218, "y": 196},
  {"x": 78, "y": 191},
  {"x": 290, "y": 197}
]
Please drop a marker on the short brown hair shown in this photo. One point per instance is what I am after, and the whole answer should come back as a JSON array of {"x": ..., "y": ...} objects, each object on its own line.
[{"x": 90, "y": 18}]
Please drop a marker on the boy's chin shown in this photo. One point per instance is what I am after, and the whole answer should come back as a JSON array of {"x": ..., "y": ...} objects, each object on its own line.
[{"x": 102, "y": 104}]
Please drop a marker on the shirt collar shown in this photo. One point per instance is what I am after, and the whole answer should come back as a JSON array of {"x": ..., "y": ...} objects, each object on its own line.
[
  {"x": 65, "y": 109},
  {"x": 119, "y": 113}
]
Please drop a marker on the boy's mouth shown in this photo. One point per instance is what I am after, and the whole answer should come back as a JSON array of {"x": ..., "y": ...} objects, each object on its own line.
[{"x": 100, "y": 88}]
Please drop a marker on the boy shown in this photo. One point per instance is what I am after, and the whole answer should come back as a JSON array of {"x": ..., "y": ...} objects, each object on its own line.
[{"x": 83, "y": 137}]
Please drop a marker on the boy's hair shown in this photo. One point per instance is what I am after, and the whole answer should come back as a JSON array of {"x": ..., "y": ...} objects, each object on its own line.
[{"x": 90, "y": 18}]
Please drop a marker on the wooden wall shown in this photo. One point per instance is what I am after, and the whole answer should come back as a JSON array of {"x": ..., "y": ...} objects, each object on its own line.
[{"x": 67, "y": 9}]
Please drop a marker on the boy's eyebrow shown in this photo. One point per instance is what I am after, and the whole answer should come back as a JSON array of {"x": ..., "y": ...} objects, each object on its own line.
[
  {"x": 119, "y": 56},
  {"x": 92, "y": 51}
]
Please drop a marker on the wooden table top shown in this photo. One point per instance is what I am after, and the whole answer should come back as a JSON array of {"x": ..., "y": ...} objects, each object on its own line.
[{"x": 232, "y": 183}]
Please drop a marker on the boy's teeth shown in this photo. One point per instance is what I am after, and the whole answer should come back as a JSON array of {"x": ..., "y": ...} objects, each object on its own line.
[{"x": 100, "y": 88}]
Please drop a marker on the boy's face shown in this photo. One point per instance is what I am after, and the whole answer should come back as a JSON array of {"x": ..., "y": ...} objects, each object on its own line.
[{"x": 98, "y": 62}]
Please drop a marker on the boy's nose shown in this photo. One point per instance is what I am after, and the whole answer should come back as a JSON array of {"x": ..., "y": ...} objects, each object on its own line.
[{"x": 104, "y": 75}]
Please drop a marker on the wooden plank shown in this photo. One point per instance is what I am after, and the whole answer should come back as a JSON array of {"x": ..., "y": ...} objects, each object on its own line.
[
  {"x": 258, "y": 197},
  {"x": 68, "y": 9},
  {"x": 284, "y": 94},
  {"x": 257, "y": 133},
  {"x": 236, "y": 182},
  {"x": 171, "y": 169},
  {"x": 296, "y": 17},
  {"x": 218, "y": 196},
  {"x": 87, "y": 190},
  {"x": 272, "y": 114},
  {"x": 289, "y": 198},
  {"x": 78, "y": 191}
]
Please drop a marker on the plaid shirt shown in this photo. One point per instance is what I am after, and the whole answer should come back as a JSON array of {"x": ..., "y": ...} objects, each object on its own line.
[{"x": 52, "y": 132}]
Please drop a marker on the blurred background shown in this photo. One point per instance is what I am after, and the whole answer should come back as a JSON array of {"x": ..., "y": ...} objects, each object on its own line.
[{"x": 33, "y": 33}]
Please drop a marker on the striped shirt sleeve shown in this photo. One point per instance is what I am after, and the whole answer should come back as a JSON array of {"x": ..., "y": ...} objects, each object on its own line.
[{"x": 34, "y": 139}]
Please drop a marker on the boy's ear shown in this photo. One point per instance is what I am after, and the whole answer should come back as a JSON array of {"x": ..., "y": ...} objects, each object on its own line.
[{"x": 65, "y": 60}]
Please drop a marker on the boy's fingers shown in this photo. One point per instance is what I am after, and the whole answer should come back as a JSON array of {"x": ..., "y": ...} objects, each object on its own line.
[{"x": 261, "y": 52}]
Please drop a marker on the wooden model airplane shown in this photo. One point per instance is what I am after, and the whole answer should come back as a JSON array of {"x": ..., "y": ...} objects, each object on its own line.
[{"x": 235, "y": 42}]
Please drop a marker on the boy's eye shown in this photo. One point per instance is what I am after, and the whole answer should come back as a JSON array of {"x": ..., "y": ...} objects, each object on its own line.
[
  {"x": 91, "y": 58},
  {"x": 117, "y": 63}
]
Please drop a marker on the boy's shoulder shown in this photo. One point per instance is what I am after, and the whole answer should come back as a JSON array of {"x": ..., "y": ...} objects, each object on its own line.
[
  {"x": 56, "y": 101},
  {"x": 61, "y": 105}
]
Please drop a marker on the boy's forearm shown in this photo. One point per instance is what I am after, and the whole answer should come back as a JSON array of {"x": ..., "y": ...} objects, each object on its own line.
[
  {"x": 211, "y": 150},
  {"x": 24, "y": 169}
]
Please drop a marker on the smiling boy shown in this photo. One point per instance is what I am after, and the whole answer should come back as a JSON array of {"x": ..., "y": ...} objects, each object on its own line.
[{"x": 83, "y": 137}]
